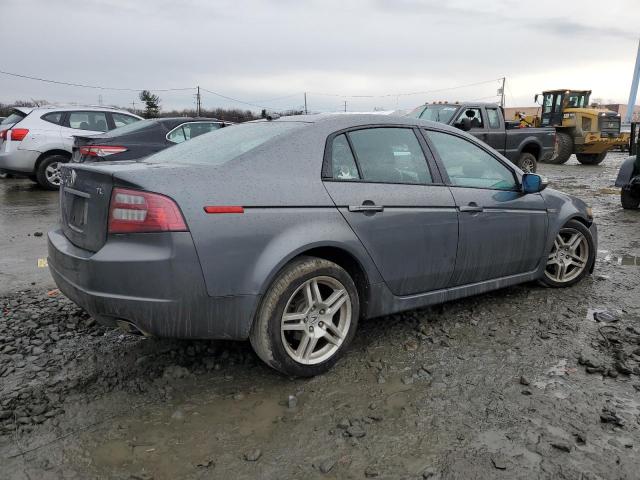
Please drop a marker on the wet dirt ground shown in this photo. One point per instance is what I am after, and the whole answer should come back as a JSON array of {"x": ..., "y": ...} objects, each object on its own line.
[{"x": 525, "y": 382}]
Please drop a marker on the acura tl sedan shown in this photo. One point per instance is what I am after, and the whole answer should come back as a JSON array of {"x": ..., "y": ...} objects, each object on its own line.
[{"x": 287, "y": 232}]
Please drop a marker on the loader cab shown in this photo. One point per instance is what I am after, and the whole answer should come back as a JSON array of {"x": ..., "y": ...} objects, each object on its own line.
[{"x": 555, "y": 102}]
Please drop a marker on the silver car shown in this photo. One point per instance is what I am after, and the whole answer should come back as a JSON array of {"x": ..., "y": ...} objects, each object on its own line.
[
  {"x": 34, "y": 142},
  {"x": 287, "y": 232}
]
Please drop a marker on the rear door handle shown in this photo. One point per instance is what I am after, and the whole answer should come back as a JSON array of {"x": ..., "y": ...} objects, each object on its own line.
[
  {"x": 366, "y": 208},
  {"x": 472, "y": 207}
]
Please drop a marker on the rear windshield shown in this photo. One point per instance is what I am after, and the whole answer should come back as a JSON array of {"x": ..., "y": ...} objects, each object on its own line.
[
  {"x": 132, "y": 127},
  {"x": 221, "y": 146},
  {"x": 15, "y": 117}
]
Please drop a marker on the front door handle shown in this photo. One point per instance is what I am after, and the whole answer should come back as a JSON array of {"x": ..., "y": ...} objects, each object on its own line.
[
  {"x": 473, "y": 207},
  {"x": 366, "y": 208}
]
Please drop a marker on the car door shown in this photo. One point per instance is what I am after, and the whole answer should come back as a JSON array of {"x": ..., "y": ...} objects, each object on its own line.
[
  {"x": 502, "y": 230},
  {"x": 82, "y": 123},
  {"x": 395, "y": 202}
]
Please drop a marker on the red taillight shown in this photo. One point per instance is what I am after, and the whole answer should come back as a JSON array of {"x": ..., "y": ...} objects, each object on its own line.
[
  {"x": 101, "y": 150},
  {"x": 134, "y": 211},
  {"x": 18, "y": 134}
]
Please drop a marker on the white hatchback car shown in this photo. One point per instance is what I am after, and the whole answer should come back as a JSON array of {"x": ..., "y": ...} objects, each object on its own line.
[{"x": 35, "y": 141}]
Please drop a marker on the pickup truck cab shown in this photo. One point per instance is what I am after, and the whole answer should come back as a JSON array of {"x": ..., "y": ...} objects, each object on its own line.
[{"x": 524, "y": 147}]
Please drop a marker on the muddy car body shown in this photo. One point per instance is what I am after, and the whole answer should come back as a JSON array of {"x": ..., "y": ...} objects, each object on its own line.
[{"x": 288, "y": 231}]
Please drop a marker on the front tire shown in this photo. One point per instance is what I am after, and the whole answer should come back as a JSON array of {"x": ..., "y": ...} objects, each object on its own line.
[
  {"x": 628, "y": 200},
  {"x": 527, "y": 163},
  {"x": 48, "y": 172},
  {"x": 307, "y": 318},
  {"x": 572, "y": 256},
  {"x": 591, "y": 158},
  {"x": 564, "y": 148}
]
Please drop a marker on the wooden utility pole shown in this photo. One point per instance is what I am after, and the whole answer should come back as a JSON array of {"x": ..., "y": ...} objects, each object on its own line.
[
  {"x": 502, "y": 92},
  {"x": 345, "y": 105},
  {"x": 198, "y": 103},
  {"x": 305, "y": 103}
]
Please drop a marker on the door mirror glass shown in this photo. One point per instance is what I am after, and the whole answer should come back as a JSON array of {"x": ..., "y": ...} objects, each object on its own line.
[{"x": 533, "y": 183}]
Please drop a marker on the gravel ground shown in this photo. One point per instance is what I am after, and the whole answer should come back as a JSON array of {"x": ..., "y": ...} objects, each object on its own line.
[{"x": 525, "y": 382}]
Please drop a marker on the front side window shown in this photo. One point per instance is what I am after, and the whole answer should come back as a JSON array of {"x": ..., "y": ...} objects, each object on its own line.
[
  {"x": 468, "y": 165},
  {"x": 120, "y": 119},
  {"x": 93, "y": 121},
  {"x": 187, "y": 131},
  {"x": 389, "y": 155},
  {"x": 493, "y": 117},
  {"x": 473, "y": 114}
]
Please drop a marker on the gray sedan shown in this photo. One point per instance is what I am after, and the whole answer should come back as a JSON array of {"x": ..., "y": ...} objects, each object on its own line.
[{"x": 287, "y": 232}]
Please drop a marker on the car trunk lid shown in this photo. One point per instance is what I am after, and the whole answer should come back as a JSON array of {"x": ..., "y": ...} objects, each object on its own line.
[{"x": 84, "y": 205}]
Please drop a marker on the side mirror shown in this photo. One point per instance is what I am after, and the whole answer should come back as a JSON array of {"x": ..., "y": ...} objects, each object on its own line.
[
  {"x": 533, "y": 183},
  {"x": 465, "y": 124}
]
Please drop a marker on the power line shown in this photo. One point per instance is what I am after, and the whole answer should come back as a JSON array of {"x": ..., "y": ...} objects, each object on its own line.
[
  {"x": 97, "y": 87},
  {"x": 407, "y": 93}
]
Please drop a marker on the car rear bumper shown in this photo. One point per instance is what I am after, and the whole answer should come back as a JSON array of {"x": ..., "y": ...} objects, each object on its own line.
[
  {"x": 151, "y": 281},
  {"x": 19, "y": 161}
]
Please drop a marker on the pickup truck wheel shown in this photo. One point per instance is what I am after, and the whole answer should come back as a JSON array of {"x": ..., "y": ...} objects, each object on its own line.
[
  {"x": 48, "y": 172},
  {"x": 564, "y": 148},
  {"x": 628, "y": 200},
  {"x": 591, "y": 158},
  {"x": 307, "y": 318},
  {"x": 527, "y": 163}
]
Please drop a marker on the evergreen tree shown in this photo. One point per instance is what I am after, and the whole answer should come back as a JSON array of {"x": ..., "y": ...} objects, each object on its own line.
[{"x": 152, "y": 104}]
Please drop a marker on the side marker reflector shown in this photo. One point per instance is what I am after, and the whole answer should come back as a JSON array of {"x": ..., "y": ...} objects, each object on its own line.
[{"x": 223, "y": 209}]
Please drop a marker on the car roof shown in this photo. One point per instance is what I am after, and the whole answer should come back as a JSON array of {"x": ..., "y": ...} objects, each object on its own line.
[
  {"x": 71, "y": 108},
  {"x": 342, "y": 120}
]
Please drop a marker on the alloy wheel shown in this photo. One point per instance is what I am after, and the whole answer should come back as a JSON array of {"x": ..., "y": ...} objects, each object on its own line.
[
  {"x": 316, "y": 320},
  {"x": 568, "y": 257},
  {"x": 52, "y": 172},
  {"x": 528, "y": 165}
]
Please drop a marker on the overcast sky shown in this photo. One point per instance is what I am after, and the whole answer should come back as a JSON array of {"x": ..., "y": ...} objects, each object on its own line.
[{"x": 260, "y": 51}]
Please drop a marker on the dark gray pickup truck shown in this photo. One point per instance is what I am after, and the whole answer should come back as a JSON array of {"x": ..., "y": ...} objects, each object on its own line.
[{"x": 523, "y": 146}]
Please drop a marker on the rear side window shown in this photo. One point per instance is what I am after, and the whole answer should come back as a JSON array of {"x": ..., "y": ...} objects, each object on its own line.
[
  {"x": 187, "y": 131},
  {"x": 120, "y": 119},
  {"x": 53, "y": 117},
  {"x": 93, "y": 121},
  {"x": 342, "y": 162},
  {"x": 389, "y": 155},
  {"x": 15, "y": 117},
  {"x": 493, "y": 117},
  {"x": 225, "y": 145}
]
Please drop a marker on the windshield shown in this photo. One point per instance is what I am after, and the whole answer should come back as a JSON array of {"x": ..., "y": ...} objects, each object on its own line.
[
  {"x": 438, "y": 113},
  {"x": 225, "y": 144},
  {"x": 132, "y": 127},
  {"x": 15, "y": 117},
  {"x": 576, "y": 100}
]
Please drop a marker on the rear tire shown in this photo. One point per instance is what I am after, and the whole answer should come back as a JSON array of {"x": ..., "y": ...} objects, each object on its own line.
[
  {"x": 591, "y": 158},
  {"x": 628, "y": 200},
  {"x": 48, "y": 172},
  {"x": 564, "y": 148},
  {"x": 302, "y": 327},
  {"x": 527, "y": 163},
  {"x": 572, "y": 256}
]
